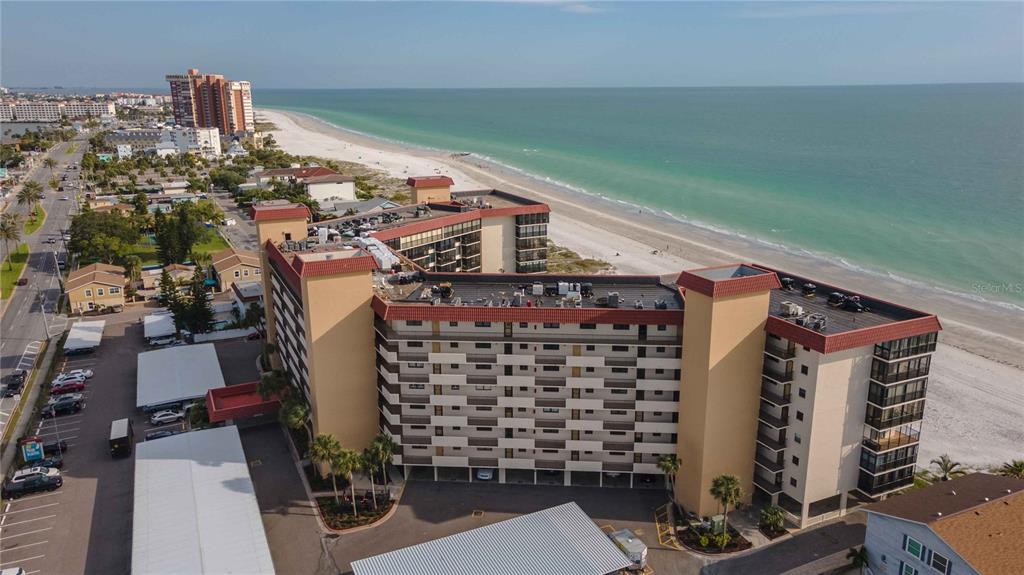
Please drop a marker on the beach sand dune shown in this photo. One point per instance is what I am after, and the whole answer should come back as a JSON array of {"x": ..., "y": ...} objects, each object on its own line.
[{"x": 975, "y": 405}]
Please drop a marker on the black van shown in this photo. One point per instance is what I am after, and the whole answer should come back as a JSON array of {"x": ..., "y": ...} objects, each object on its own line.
[{"x": 122, "y": 438}]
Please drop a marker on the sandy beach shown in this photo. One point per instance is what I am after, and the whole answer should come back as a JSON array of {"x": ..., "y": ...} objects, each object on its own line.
[{"x": 976, "y": 390}]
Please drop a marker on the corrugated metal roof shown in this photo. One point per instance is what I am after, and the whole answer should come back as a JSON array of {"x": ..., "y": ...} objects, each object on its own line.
[
  {"x": 561, "y": 540},
  {"x": 177, "y": 373},
  {"x": 195, "y": 507}
]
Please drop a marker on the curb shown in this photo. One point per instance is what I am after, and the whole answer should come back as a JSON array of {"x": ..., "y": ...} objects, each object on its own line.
[
  {"x": 305, "y": 483},
  {"x": 382, "y": 519},
  {"x": 27, "y": 404}
]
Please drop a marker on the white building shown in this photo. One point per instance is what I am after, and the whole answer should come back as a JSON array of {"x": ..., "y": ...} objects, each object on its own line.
[
  {"x": 124, "y": 151},
  {"x": 32, "y": 111},
  {"x": 202, "y": 141},
  {"x": 6, "y": 112},
  {"x": 54, "y": 110}
]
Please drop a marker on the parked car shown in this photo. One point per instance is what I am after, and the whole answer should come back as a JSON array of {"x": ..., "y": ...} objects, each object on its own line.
[
  {"x": 53, "y": 462},
  {"x": 18, "y": 376},
  {"x": 485, "y": 474},
  {"x": 21, "y": 282},
  {"x": 67, "y": 387},
  {"x": 162, "y": 341},
  {"x": 27, "y": 473},
  {"x": 68, "y": 377},
  {"x": 35, "y": 484},
  {"x": 159, "y": 434},
  {"x": 166, "y": 416},
  {"x": 61, "y": 408},
  {"x": 84, "y": 372},
  {"x": 13, "y": 388},
  {"x": 55, "y": 447},
  {"x": 51, "y": 240},
  {"x": 65, "y": 398}
]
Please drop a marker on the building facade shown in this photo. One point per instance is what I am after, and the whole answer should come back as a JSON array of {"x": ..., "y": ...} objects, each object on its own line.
[
  {"x": 583, "y": 380},
  {"x": 210, "y": 101},
  {"x": 55, "y": 110},
  {"x": 95, "y": 287}
]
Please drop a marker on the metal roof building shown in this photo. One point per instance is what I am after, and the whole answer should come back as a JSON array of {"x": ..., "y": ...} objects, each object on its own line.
[
  {"x": 561, "y": 540},
  {"x": 158, "y": 324},
  {"x": 177, "y": 373},
  {"x": 84, "y": 335},
  {"x": 195, "y": 507}
]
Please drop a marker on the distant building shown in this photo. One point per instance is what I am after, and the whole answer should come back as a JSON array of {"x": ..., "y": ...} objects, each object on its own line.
[
  {"x": 321, "y": 183},
  {"x": 246, "y": 293},
  {"x": 95, "y": 286},
  {"x": 204, "y": 142},
  {"x": 232, "y": 266},
  {"x": 178, "y": 272},
  {"x": 236, "y": 150},
  {"x": 124, "y": 151},
  {"x": 55, "y": 110},
  {"x": 210, "y": 101},
  {"x": 370, "y": 206},
  {"x": 970, "y": 525}
]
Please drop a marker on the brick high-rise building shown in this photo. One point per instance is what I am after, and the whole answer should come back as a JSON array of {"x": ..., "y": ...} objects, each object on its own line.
[{"x": 210, "y": 101}]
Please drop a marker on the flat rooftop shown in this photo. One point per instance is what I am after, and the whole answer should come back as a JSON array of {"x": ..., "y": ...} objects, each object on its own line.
[
  {"x": 839, "y": 319},
  {"x": 177, "y": 373},
  {"x": 497, "y": 290}
]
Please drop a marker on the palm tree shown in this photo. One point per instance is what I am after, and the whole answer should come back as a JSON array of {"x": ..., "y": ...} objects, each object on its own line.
[
  {"x": 1013, "y": 468},
  {"x": 54, "y": 183},
  {"x": 50, "y": 164},
  {"x": 295, "y": 415},
  {"x": 726, "y": 489},
  {"x": 346, "y": 462},
  {"x": 203, "y": 259},
  {"x": 858, "y": 558},
  {"x": 669, "y": 465},
  {"x": 29, "y": 195},
  {"x": 271, "y": 384},
  {"x": 370, "y": 465},
  {"x": 324, "y": 450},
  {"x": 10, "y": 231},
  {"x": 772, "y": 518},
  {"x": 948, "y": 469},
  {"x": 133, "y": 268},
  {"x": 384, "y": 446}
]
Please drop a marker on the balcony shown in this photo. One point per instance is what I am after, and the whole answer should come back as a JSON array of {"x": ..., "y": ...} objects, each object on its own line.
[
  {"x": 619, "y": 425},
  {"x": 414, "y": 399},
  {"x": 481, "y": 358},
  {"x": 770, "y": 465},
  {"x": 482, "y": 422},
  {"x": 549, "y": 464},
  {"x": 413, "y": 357},
  {"x": 482, "y": 379},
  {"x": 414, "y": 378},
  {"x": 549, "y": 360},
  {"x": 781, "y": 376},
  {"x": 619, "y": 404},
  {"x": 770, "y": 443},
  {"x": 891, "y": 441},
  {"x": 549, "y": 381},
  {"x": 886, "y": 400},
  {"x": 549, "y": 443},
  {"x": 481, "y": 400},
  {"x": 620, "y": 383},
  {"x": 780, "y": 352},
  {"x": 617, "y": 467},
  {"x": 417, "y": 439},
  {"x": 549, "y": 402},
  {"x": 550, "y": 423},
  {"x": 483, "y": 441},
  {"x": 875, "y": 486},
  {"x": 620, "y": 361},
  {"x": 772, "y": 420},
  {"x": 417, "y": 459},
  {"x": 483, "y": 462},
  {"x": 880, "y": 423},
  {"x": 885, "y": 466},
  {"x": 770, "y": 487},
  {"x": 617, "y": 446},
  {"x": 770, "y": 394},
  {"x": 415, "y": 420}
]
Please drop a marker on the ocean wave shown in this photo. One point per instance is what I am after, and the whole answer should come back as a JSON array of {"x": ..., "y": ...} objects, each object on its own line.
[{"x": 686, "y": 220}]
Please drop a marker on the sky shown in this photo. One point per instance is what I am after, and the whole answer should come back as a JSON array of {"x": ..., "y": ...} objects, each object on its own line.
[{"x": 531, "y": 43}]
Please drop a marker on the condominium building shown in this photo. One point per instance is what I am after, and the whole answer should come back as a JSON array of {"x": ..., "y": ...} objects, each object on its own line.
[
  {"x": 210, "y": 101},
  {"x": 810, "y": 395},
  {"x": 177, "y": 140},
  {"x": 55, "y": 110}
]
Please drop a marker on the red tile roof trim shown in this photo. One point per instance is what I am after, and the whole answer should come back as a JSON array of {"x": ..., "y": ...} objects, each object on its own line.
[
  {"x": 461, "y": 217},
  {"x": 237, "y": 402},
  {"x": 429, "y": 181},
  {"x": 283, "y": 267},
  {"x": 515, "y": 211},
  {"x": 350, "y": 264},
  {"x": 851, "y": 339},
  {"x": 729, "y": 286},
  {"x": 263, "y": 214},
  {"x": 396, "y": 311}
]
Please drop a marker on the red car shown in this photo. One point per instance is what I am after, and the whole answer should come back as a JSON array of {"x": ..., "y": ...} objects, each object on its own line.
[{"x": 67, "y": 387}]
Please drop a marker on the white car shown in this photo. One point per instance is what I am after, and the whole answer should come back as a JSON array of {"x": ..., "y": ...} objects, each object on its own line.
[
  {"x": 64, "y": 198},
  {"x": 167, "y": 416},
  {"x": 485, "y": 474},
  {"x": 68, "y": 378},
  {"x": 161, "y": 341},
  {"x": 24, "y": 474},
  {"x": 76, "y": 372}
]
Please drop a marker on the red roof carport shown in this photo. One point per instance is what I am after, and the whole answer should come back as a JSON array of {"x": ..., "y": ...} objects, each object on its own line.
[{"x": 238, "y": 402}]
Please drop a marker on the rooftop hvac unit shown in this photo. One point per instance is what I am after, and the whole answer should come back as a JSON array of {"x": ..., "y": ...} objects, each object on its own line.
[
  {"x": 563, "y": 288},
  {"x": 538, "y": 288},
  {"x": 613, "y": 299},
  {"x": 808, "y": 289},
  {"x": 638, "y": 304},
  {"x": 790, "y": 309},
  {"x": 787, "y": 283},
  {"x": 816, "y": 321}
]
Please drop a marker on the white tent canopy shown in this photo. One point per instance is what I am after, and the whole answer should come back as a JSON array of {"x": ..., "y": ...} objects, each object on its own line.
[
  {"x": 159, "y": 324},
  {"x": 84, "y": 335},
  {"x": 195, "y": 507},
  {"x": 177, "y": 373}
]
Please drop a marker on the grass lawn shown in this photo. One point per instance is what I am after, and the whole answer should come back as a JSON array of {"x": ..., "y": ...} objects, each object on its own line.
[
  {"x": 146, "y": 248},
  {"x": 9, "y": 276},
  {"x": 31, "y": 226}
]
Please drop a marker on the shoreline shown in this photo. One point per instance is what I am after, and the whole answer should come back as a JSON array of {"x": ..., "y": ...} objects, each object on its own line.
[
  {"x": 680, "y": 244},
  {"x": 975, "y": 400}
]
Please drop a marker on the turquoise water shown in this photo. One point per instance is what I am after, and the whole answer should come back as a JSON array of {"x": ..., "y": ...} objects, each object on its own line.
[{"x": 925, "y": 183}]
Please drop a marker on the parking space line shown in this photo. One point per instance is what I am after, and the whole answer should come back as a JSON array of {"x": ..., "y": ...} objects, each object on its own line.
[
  {"x": 34, "y": 497},
  {"x": 25, "y": 533},
  {"x": 22, "y": 546},
  {"x": 30, "y": 520},
  {"x": 31, "y": 508},
  {"x": 22, "y": 560}
]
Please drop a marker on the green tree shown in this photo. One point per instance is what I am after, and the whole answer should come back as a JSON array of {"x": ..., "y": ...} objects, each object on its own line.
[
  {"x": 324, "y": 451},
  {"x": 772, "y": 518},
  {"x": 199, "y": 415},
  {"x": 166, "y": 240},
  {"x": 10, "y": 231},
  {"x": 29, "y": 195},
  {"x": 271, "y": 384},
  {"x": 858, "y": 558},
  {"x": 1013, "y": 468},
  {"x": 99, "y": 236},
  {"x": 384, "y": 446},
  {"x": 198, "y": 311},
  {"x": 368, "y": 461},
  {"x": 133, "y": 268},
  {"x": 948, "y": 469},
  {"x": 50, "y": 164},
  {"x": 669, "y": 465},
  {"x": 295, "y": 414},
  {"x": 347, "y": 462},
  {"x": 54, "y": 183},
  {"x": 168, "y": 289},
  {"x": 727, "y": 491},
  {"x": 141, "y": 203}
]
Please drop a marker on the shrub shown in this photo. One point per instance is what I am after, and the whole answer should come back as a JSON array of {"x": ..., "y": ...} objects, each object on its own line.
[
  {"x": 704, "y": 541},
  {"x": 722, "y": 539}
]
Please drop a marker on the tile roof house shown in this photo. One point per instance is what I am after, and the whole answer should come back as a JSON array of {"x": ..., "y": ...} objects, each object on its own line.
[
  {"x": 231, "y": 265},
  {"x": 321, "y": 183},
  {"x": 972, "y": 524},
  {"x": 95, "y": 286}
]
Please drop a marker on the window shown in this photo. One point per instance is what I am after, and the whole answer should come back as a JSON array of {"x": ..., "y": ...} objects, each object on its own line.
[
  {"x": 551, "y": 346},
  {"x": 238, "y": 274},
  {"x": 588, "y": 326},
  {"x": 799, "y": 416},
  {"x": 415, "y": 386},
  {"x": 482, "y": 345},
  {"x": 620, "y": 326},
  {"x": 453, "y": 324},
  {"x": 523, "y": 346},
  {"x": 796, "y": 438},
  {"x": 792, "y": 481},
  {"x": 620, "y": 348},
  {"x": 590, "y": 370},
  {"x": 413, "y": 322},
  {"x": 550, "y": 410},
  {"x": 481, "y": 324},
  {"x": 803, "y": 369},
  {"x": 940, "y": 563},
  {"x": 590, "y": 348},
  {"x": 795, "y": 460},
  {"x": 245, "y": 272},
  {"x": 662, "y": 327},
  {"x": 99, "y": 291},
  {"x": 114, "y": 290},
  {"x": 415, "y": 344},
  {"x": 802, "y": 392},
  {"x": 551, "y": 368},
  {"x": 912, "y": 546},
  {"x": 548, "y": 325},
  {"x": 256, "y": 271},
  {"x": 482, "y": 388},
  {"x": 523, "y": 325},
  {"x": 483, "y": 366},
  {"x": 907, "y": 569},
  {"x": 415, "y": 364}
]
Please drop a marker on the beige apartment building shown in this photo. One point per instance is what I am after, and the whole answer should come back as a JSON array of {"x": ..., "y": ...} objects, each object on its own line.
[
  {"x": 231, "y": 266},
  {"x": 809, "y": 394},
  {"x": 95, "y": 287}
]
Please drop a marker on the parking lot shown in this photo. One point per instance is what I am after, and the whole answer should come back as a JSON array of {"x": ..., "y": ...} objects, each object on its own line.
[{"x": 85, "y": 526}]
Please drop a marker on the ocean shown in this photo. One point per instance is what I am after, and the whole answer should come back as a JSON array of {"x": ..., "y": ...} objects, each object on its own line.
[{"x": 924, "y": 183}]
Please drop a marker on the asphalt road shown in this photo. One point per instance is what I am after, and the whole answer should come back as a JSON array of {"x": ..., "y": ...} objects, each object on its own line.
[{"x": 22, "y": 327}]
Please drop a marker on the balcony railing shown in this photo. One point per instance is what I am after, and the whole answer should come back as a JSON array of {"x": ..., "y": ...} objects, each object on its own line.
[
  {"x": 770, "y": 442},
  {"x": 415, "y": 420},
  {"x": 884, "y": 466},
  {"x": 549, "y": 464},
  {"x": 875, "y": 486},
  {"x": 879, "y": 423},
  {"x": 619, "y": 404},
  {"x": 770, "y": 394},
  {"x": 549, "y": 444},
  {"x": 771, "y": 487},
  {"x": 885, "y": 400},
  {"x": 549, "y": 360},
  {"x": 414, "y": 399},
  {"x": 780, "y": 352},
  {"x": 413, "y": 378},
  {"x": 616, "y": 467},
  {"x": 891, "y": 441},
  {"x": 417, "y": 439},
  {"x": 483, "y": 441},
  {"x": 772, "y": 420},
  {"x": 620, "y": 361},
  {"x": 617, "y": 446},
  {"x": 482, "y": 421},
  {"x": 781, "y": 376},
  {"x": 550, "y": 423},
  {"x": 549, "y": 402},
  {"x": 481, "y": 358},
  {"x": 413, "y": 357},
  {"x": 482, "y": 379},
  {"x": 482, "y": 400},
  {"x": 769, "y": 464},
  {"x": 619, "y": 425},
  {"x": 549, "y": 381},
  {"x": 620, "y": 383},
  {"x": 417, "y": 460},
  {"x": 483, "y": 462}
]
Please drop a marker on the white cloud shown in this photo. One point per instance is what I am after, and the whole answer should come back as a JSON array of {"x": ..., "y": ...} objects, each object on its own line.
[
  {"x": 578, "y": 8},
  {"x": 819, "y": 9}
]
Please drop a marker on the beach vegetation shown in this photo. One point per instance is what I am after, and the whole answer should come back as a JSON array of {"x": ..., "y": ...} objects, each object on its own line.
[
  {"x": 947, "y": 468},
  {"x": 1013, "y": 468},
  {"x": 565, "y": 261}
]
